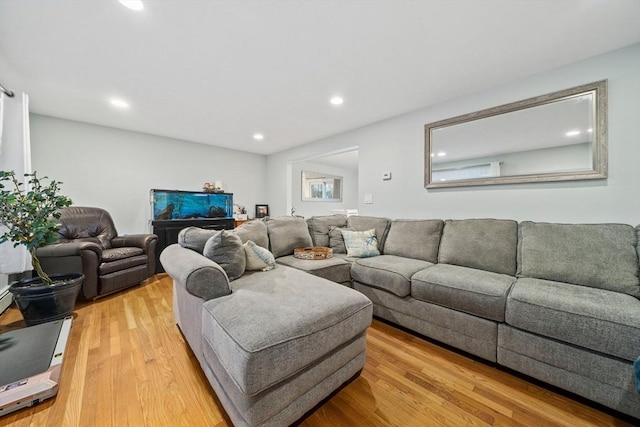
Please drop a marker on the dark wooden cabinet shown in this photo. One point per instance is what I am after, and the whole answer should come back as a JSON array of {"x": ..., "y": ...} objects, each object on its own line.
[{"x": 167, "y": 231}]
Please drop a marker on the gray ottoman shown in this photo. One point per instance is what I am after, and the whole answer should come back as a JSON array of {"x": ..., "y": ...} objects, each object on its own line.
[{"x": 282, "y": 342}]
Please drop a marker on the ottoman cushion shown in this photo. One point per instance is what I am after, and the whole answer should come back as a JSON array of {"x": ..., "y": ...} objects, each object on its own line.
[{"x": 278, "y": 322}]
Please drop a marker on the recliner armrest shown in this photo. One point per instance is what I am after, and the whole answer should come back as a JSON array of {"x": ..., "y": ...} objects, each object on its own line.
[
  {"x": 68, "y": 249},
  {"x": 134, "y": 240}
]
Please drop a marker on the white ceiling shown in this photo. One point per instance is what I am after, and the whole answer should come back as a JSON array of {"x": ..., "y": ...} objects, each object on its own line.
[{"x": 216, "y": 72}]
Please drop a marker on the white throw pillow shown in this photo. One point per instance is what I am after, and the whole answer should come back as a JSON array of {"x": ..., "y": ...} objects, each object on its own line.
[
  {"x": 258, "y": 258},
  {"x": 360, "y": 244}
]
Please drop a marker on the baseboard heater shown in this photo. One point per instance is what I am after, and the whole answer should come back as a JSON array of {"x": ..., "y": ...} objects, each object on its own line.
[{"x": 5, "y": 298}]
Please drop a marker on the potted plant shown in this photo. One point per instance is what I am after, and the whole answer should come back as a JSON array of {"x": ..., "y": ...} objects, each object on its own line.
[{"x": 29, "y": 217}]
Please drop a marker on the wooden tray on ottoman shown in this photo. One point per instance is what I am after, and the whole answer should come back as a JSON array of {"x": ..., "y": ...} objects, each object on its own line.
[{"x": 313, "y": 252}]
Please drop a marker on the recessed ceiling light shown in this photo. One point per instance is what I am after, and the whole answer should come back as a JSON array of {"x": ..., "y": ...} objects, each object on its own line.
[
  {"x": 441, "y": 154},
  {"x": 133, "y": 4},
  {"x": 119, "y": 103},
  {"x": 573, "y": 133},
  {"x": 336, "y": 100},
  {"x": 258, "y": 136},
  {"x": 589, "y": 130}
]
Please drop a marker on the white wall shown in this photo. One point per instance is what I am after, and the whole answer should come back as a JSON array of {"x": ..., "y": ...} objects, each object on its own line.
[
  {"x": 397, "y": 145},
  {"x": 309, "y": 209},
  {"x": 115, "y": 169}
]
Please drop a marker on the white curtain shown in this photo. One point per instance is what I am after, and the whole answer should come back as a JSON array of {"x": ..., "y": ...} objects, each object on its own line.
[{"x": 15, "y": 154}]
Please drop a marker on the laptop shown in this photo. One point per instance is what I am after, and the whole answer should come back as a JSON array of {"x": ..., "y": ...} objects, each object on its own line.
[{"x": 31, "y": 364}]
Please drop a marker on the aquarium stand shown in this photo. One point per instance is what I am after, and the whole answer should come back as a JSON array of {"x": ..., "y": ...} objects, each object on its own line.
[{"x": 167, "y": 231}]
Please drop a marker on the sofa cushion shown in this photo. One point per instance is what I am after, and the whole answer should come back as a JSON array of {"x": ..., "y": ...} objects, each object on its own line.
[
  {"x": 195, "y": 238},
  {"x": 122, "y": 264},
  {"x": 335, "y": 269},
  {"x": 254, "y": 230},
  {"x": 225, "y": 249},
  {"x": 116, "y": 254},
  {"x": 485, "y": 244},
  {"x": 477, "y": 292},
  {"x": 597, "y": 319},
  {"x": 258, "y": 258},
  {"x": 301, "y": 319},
  {"x": 389, "y": 272},
  {"x": 287, "y": 233},
  {"x": 417, "y": 239},
  {"x": 360, "y": 244},
  {"x": 597, "y": 255},
  {"x": 336, "y": 241},
  {"x": 319, "y": 227},
  {"x": 363, "y": 223}
]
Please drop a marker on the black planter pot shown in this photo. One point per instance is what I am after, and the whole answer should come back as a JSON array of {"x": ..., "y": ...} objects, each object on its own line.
[{"x": 39, "y": 303}]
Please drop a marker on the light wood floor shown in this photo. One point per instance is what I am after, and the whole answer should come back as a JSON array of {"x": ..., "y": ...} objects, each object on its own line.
[{"x": 128, "y": 365}]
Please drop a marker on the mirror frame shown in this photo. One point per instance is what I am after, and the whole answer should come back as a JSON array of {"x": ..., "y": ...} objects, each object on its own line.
[
  {"x": 325, "y": 199},
  {"x": 599, "y": 160}
]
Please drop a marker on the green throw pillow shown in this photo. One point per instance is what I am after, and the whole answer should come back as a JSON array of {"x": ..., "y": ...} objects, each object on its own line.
[
  {"x": 258, "y": 258},
  {"x": 361, "y": 244}
]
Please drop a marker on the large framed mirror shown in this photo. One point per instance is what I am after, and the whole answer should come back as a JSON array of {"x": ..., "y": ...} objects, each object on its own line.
[
  {"x": 559, "y": 136},
  {"x": 321, "y": 187}
]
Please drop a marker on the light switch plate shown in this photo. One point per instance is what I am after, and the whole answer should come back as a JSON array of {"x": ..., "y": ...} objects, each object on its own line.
[
  {"x": 368, "y": 199},
  {"x": 386, "y": 176}
]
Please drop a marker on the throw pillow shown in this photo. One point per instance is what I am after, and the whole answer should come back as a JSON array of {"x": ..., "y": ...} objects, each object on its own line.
[
  {"x": 319, "y": 227},
  {"x": 258, "y": 258},
  {"x": 195, "y": 238},
  {"x": 287, "y": 233},
  {"x": 225, "y": 248},
  {"x": 254, "y": 230},
  {"x": 361, "y": 244},
  {"x": 336, "y": 241}
]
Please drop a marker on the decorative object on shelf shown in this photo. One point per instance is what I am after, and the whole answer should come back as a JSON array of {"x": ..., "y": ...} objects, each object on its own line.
[
  {"x": 240, "y": 213},
  {"x": 313, "y": 252},
  {"x": 29, "y": 220},
  {"x": 262, "y": 211},
  {"x": 213, "y": 188}
]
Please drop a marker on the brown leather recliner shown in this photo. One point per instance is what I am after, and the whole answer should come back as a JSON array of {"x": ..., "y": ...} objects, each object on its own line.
[{"x": 88, "y": 243}]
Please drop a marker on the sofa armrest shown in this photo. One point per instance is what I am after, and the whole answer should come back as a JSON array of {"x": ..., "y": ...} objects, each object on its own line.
[
  {"x": 68, "y": 249},
  {"x": 147, "y": 242},
  {"x": 74, "y": 257},
  {"x": 198, "y": 274},
  {"x": 134, "y": 240}
]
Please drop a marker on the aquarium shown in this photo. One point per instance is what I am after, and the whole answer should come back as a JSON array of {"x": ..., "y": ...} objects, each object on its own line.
[{"x": 174, "y": 204}]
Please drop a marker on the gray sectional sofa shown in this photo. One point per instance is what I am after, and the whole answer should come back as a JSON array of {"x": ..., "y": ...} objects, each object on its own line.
[
  {"x": 274, "y": 343},
  {"x": 557, "y": 302}
]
